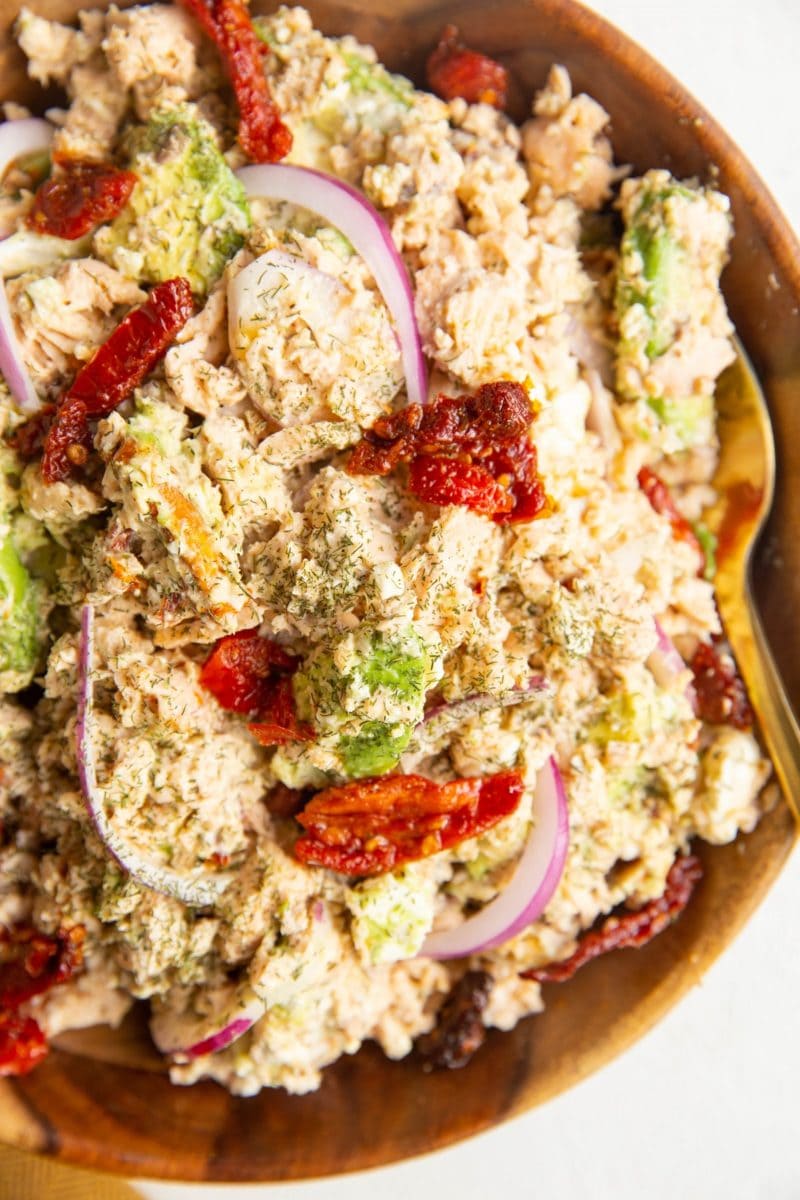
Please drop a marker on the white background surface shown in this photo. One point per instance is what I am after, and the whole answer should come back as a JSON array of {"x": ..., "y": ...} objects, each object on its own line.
[{"x": 707, "y": 1107}]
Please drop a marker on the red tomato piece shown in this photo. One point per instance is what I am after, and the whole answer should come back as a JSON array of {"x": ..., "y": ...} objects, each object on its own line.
[
  {"x": 451, "y": 481},
  {"x": 629, "y": 929},
  {"x": 277, "y": 723},
  {"x": 121, "y": 364},
  {"x": 720, "y": 696},
  {"x": 22, "y": 1044},
  {"x": 454, "y": 70},
  {"x": 32, "y": 962},
  {"x": 239, "y": 671},
  {"x": 262, "y": 133},
  {"x": 662, "y": 502},
  {"x": 469, "y": 450},
  {"x": 375, "y": 825},
  {"x": 81, "y": 195}
]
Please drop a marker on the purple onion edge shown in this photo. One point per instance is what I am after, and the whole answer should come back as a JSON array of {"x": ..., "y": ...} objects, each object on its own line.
[
  {"x": 13, "y": 369},
  {"x": 555, "y": 868},
  {"x": 536, "y": 683},
  {"x": 217, "y": 1041},
  {"x": 547, "y": 886},
  {"x": 386, "y": 236}
]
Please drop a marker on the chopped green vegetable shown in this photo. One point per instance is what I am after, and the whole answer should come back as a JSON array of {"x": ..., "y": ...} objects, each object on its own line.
[
  {"x": 708, "y": 543},
  {"x": 655, "y": 270},
  {"x": 188, "y": 213},
  {"x": 375, "y": 750},
  {"x": 19, "y": 621},
  {"x": 352, "y": 94},
  {"x": 364, "y": 76},
  {"x": 349, "y": 690},
  {"x": 27, "y": 251},
  {"x": 689, "y": 417},
  {"x": 391, "y": 914},
  {"x": 628, "y": 717}
]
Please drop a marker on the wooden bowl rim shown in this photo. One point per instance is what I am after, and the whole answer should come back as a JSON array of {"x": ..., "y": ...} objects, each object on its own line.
[{"x": 623, "y": 57}]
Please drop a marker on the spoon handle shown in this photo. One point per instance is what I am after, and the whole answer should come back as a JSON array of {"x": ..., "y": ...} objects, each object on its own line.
[{"x": 777, "y": 721}]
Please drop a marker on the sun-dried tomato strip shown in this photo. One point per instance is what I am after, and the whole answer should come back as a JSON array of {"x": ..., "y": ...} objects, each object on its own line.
[
  {"x": 375, "y": 825},
  {"x": 121, "y": 364},
  {"x": 262, "y": 133},
  {"x": 459, "y": 1030},
  {"x": 662, "y": 502},
  {"x": 629, "y": 929},
  {"x": 240, "y": 669},
  {"x": 23, "y": 1045},
  {"x": 32, "y": 962},
  {"x": 438, "y": 480},
  {"x": 720, "y": 697},
  {"x": 247, "y": 673},
  {"x": 81, "y": 195},
  {"x": 277, "y": 723},
  {"x": 473, "y": 451},
  {"x": 454, "y": 70}
]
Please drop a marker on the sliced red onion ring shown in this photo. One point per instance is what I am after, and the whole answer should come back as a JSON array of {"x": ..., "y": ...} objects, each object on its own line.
[
  {"x": 666, "y": 664},
  {"x": 351, "y": 213},
  {"x": 12, "y": 367},
  {"x": 18, "y": 139},
  {"x": 255, "y": 303},
  {"x": 441, "y": 719},
  {"x": 535, "y": 879},
  {"x": 185, "y": 1036},
  {"x": 472, "y": 706},
  {"x": 199, "y": 888}
]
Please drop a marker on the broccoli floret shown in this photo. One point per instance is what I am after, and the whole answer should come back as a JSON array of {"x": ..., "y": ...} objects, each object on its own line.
[
  {"x": 19, "y": 620},
  {"x": 366, "y": 694},
  {"x": 188, "y": 213}
]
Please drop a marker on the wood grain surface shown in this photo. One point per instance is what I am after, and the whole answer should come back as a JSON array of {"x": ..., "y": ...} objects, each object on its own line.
[{"x": 102, "y": 1099}]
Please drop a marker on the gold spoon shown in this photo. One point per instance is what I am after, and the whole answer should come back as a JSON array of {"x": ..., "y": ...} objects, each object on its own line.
[{"x": 745, "y": 482}]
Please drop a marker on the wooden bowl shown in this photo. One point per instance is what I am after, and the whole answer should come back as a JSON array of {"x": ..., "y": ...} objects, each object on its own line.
[{"x": 102, "y": 1099}]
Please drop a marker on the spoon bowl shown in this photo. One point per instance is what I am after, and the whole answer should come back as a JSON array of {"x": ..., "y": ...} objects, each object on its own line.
[{"x": 745, "y": 483}]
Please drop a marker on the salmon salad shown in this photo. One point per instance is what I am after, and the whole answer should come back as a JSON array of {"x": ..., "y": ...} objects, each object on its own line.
[{"x": 361, "y": 675}]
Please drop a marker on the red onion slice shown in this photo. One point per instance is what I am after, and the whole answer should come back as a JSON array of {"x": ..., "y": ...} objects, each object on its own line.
[
  {"x": 665, "y": 663},
  {"x": 17, "y": 138},
  {"x": 185, "y": 1036},
  {"x": 479, "y": 702},
  {"x": 535, "y": 879},
  {"x": 12, "y": 367},
  {"x": 29, "y": 135},
  {"x": 200, "y": 888},
  {"x": 350, "y": 212}
]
